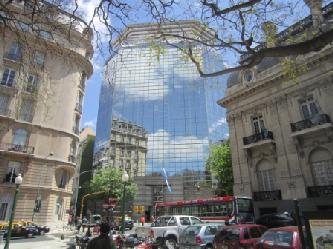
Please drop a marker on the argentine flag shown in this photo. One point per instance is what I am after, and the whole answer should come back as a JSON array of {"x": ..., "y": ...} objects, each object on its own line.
[{"x": 165, "y": 175}]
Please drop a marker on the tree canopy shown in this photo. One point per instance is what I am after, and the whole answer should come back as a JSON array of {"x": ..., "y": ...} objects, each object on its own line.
[
  {"x": 108, "y": 179},
  {"x": 245, "y": 31},
  {"x": 220, "y": 165}
]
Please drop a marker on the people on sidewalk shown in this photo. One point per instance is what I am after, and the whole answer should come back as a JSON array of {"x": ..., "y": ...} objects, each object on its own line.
[{"x": 103, "y": 241}]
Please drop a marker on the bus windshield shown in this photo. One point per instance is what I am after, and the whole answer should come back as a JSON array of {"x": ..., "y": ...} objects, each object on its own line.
[{"x": 244, "y": 205}]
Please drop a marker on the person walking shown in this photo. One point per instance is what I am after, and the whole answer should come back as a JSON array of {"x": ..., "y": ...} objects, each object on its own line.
[{"x": 103, "y": 241}]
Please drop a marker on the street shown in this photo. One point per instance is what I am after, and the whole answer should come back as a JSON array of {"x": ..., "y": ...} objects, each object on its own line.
[{"x": 49, "y": 241}]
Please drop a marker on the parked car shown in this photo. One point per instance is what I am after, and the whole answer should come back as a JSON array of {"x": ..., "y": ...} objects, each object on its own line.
[
  {"x": 280, "y": 238},
  {"x": 20, "y": 231},
  {"x": 238, "y": 236},
  {"x": 41, "y": 230},
  {"x": 276, "y": 220},
  {"x": 166, "y": 229},
  {"x": 199, "y": 236}
]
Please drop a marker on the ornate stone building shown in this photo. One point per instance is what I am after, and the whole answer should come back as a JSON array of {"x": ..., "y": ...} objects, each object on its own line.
[
  {"x": 42, "y": 71},
  {"x": 127, "y": 149},
  {"x": 281, "y": 132}
]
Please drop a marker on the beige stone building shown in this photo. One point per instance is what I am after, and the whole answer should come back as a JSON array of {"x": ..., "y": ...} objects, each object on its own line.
[
  {"x": 281, "y": 132},
  {"x": 127, "y": 149},
  {"x": 42, "y": 72}
]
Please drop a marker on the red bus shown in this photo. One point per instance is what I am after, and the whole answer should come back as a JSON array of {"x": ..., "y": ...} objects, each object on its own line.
[{"x": 233, "y": 209}]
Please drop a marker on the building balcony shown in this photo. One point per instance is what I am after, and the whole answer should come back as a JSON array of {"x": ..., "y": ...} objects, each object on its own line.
[
  {"x": 267, "y": 195},
  {"x": 258, "y": 139},
  {"x": 320, "y": 191},
  {"x": 17, "y": 148},
  {"x": 27, "y": 117},
  {"x": 318, "y": 122},
  {"x": 72, "y": 159},
  {"x": 13, "y": 57},
  {"x": 78, "y": 107},
  {"x": 76, "y": 130},
  {"x": 4, "y": 111}
]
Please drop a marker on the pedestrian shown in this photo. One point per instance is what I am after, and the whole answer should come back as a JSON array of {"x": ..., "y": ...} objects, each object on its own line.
[
  {"x": 78, "y": 224},
  {"x": 103, "y": 241},
  {"x": 142, "y": 220}
]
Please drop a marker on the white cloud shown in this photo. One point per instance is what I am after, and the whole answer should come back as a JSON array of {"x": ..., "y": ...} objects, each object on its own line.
[
  {"x": 163, "y": 147},
  {"x": 217, "y": 124},
  {"x": 90, "y": 123}
]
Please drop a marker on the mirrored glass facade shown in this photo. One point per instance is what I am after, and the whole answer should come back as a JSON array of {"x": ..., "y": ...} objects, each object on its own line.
[{"x": 156, "y": 87}]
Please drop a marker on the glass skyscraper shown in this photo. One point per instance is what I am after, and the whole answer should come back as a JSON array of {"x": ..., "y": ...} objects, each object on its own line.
[{"x": 150, "y": 83}]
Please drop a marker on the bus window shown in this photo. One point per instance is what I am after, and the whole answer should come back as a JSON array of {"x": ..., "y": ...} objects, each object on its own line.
[
  {"x": 244, "y": 205},
  {"x": 186, "y": 210},
  {"x": 194, "y": 211},
  {"x": 209, "y": 211},
  {"x": 179, "y": 210},
  {"x": 202, "y": 211}
]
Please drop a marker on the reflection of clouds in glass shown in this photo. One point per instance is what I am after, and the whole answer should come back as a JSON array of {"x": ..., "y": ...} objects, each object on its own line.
[
  {"x": 217, "y": 125},
  {"x": 163, "y": 147}
]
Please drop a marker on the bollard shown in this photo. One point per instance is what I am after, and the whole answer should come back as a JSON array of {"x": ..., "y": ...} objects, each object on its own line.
[{"x": 62, "y": 236}]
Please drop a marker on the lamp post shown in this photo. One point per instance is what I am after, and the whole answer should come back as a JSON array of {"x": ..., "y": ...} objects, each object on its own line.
[
  {"x": 124, "y": 179},
  {"x": 18, "y": 181}
]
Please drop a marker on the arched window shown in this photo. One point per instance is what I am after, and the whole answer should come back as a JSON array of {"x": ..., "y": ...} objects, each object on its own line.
[
  {"x": 321, "y": 162},
  {"x": 265, "y": 175},
  {"x": 20, "y": 137}
]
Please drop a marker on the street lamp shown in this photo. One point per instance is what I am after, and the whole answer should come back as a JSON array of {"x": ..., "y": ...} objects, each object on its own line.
[
  {"x": 124, "y": 179},
  {"x": 18, "y": 181}
]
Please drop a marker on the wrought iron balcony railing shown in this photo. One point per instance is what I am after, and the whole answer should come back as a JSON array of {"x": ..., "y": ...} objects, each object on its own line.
[
  {"x": 264, "y": 135},
  {"x": 320, "y": 191},
  {"x": 4, "y": 111},
  {"x": 267, "y": 195},
  {"x": 310, "y": 122},
  {"x": 72, "y": 158},
  {"x": 78, "y": 107},
  {"x": 17, "y": 147}
]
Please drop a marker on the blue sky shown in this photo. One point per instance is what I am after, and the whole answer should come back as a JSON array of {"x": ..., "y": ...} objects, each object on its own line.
[{"x": 91, "y": 100}]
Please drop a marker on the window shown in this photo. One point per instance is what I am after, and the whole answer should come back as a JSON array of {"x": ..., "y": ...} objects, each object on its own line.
[
  {"x": 26, "y": 110},
  {"x": 172, "y": 222},
  {"x": 3, "y": 211},
  {"x": 308, "y": 107},
  {"x": 254, "y": 232},
  {"x": 20, "y": 137},
  {"x": 32, "y": 82},
  {"x": 63, "y": 178},
  {"x": 73, "y": 149},
  {"x": 14, "y": 168},
  {"x": 195, "y": 221},
  {"x": 246, "y": 234},
  {"x": 4, "y": 99},
  {"x": 8, "y": 77},
  {"x": 14, "y": 52},
  {"x": 284, "y": 238},
  {"x": 258, "y": 124},
  {"x": 45, "y": 35},
  {"x": 210, "y": 230},
  {"x": 265, "y": 174},
  {"x": 23, "y": 27},
  {"x": 185, "y": 221},
  {"x": 322, "y": 167},
  {"x": 39, "y": 58},
  {"x": 83, "y": 79}
]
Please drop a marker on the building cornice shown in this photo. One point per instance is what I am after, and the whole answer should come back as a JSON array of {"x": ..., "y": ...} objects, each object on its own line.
[{"x": 274, "y": 75}]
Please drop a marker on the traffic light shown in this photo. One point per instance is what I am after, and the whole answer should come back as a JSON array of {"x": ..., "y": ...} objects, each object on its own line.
[{"x": 38, "y": 205}]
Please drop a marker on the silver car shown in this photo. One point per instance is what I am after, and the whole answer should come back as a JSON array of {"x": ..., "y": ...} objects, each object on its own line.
[{"x": 199, "y": 236}]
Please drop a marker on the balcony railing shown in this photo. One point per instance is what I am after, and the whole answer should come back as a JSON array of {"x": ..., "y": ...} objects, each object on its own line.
[
  {"x": 26, "y": 117},
  {"x": 9, "y": 178},
  {"x": 72, "y": 158},
  {"x": 320, "y": 191},
  {"x": 4, "y": 111},
  {"x": 76, "y": 130},
  {"x": 267, "y": 195},
  {"x": 310, "y": 122},
  {"x": 78, "y": 107},
  {"x": 18, "y": 148},
  {"x": 264, "y": 135},
  {"x": 13, "y": 57}
]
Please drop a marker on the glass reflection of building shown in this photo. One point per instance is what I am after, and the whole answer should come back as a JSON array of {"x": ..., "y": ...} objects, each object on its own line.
[{"x": 153, "y": 85}]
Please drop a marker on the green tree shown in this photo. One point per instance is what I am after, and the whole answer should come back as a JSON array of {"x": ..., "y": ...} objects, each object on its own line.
[
  {"x": 220, "y": 165},
  {"x": 108, "y": 179}
]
